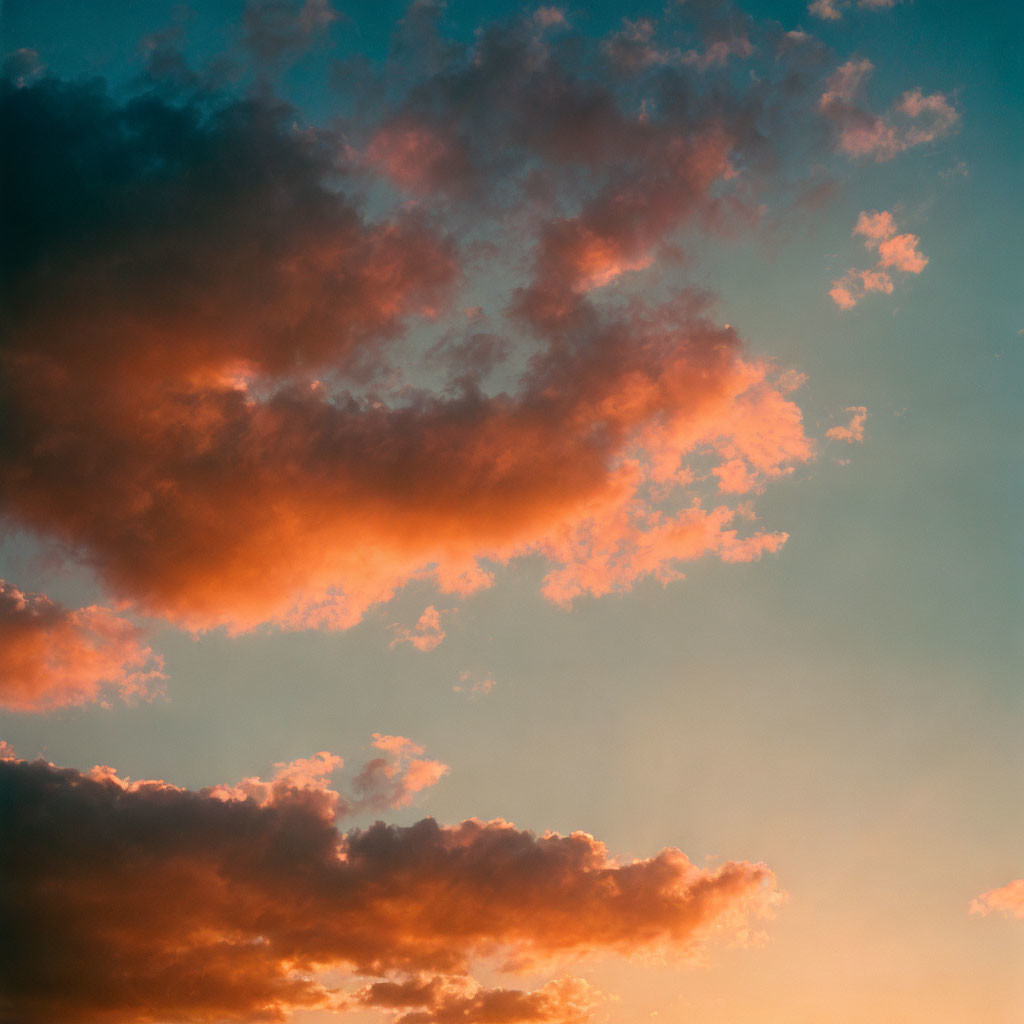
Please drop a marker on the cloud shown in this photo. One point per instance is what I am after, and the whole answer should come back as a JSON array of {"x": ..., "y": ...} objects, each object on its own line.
[
  {"x": 1007, "y": 900},
  {"x": 474, "y": 687},
  {"x": 914, "y": 120},
  {"x": 274, "y": 28},
  {"x": 145, "y": 901},
  {"x": 208, "y": 364},
  {"x": 53, "y": 657},
  {"x": 382, "y": 782},
  {"x": 895, "y": 252},
  {"x": 832, "y": 10},
  {"x": 426, "y": 634},
  {"x": 854, "y": 431},
  {"x": 443, "y": 1000}
]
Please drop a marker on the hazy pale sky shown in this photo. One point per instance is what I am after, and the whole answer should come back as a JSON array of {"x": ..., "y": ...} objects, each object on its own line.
[{"x": 586, "y": 439}]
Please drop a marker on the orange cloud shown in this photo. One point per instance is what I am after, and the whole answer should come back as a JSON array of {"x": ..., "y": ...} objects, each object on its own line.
[
  {"x": 201, "y": 377},
  {"x": 446, "y": 1000},
  {"x": 53, "y": 657},
  {"x": 242, "y": 905},
  {"x": 895, "y": 252},
  {"x": 913, "y": 121},
  {"x": 426, "y": 634},
  {"x": 854, "y": 430},
  {"x": 1007, "y": 900}
]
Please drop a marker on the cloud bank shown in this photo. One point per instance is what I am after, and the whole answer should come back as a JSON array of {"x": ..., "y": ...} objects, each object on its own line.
[{"x": 144, "y": 901}]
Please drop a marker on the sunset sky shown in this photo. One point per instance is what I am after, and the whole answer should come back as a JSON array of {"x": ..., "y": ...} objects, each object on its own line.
[{"x": 511, "y": 514}]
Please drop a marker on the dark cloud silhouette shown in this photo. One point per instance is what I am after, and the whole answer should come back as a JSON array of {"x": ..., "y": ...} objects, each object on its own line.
[{"x": 142, "y": 901}]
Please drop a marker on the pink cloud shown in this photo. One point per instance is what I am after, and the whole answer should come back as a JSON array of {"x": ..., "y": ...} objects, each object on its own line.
[
  {"x": 53, "y": 657},
  {"x": 426, "y": 634},
  {"x": 914, "y": 120},
  {"x": 875, "y": 226},
  {"x": 895, "y": 252},
  {"x": 901, "y": 253},
  {"x": 832, "y": 10},
  {"x": 853, "y": 431},
  {"x": 1007, "y": 900}
]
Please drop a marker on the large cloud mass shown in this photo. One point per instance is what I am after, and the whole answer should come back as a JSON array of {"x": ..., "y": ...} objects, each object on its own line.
[
  {"x": 141, "y": 901},
  {"x": 211, "y": 364}
]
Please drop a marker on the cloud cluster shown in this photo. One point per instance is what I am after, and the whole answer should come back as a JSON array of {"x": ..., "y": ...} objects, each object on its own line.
[
  {"x": 913, "y": 121},
  {"x": 53, "y": 657},
  {"x": 852, "y": 432},
  {"x": 1009, "y": 900},
  {"x": 207, "y": 371},
  {"x": 896, "y": 252},
  {"x": 428, "y": 632},
  {"x": 144, "y": 901}
]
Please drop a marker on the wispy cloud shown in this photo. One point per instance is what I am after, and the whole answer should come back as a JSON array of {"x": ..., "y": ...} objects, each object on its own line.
[
  {"x": 915, "y": 119},
  {"x": 1009, "y": 900}
]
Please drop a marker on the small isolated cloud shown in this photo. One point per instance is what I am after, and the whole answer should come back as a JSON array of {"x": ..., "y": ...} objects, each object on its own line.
[
  {"x": 896, "y": 252},
  {"x": 832, "y": 10},
  {"x": 914, "y": 120},
  {"x": 853, "y": 431},
  {"x": 245, "y": 903},
  {"x": 474, "y": 687},
  {"x": 546, "y": 17},
  {"x": 426, "y": 634},
  {"x": 53, "y": 657},
  {"x": 1007, "y": 900}
]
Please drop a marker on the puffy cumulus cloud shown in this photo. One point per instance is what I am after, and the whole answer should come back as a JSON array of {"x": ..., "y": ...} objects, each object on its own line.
[
  {"x": 143, "y": 901},
  {"x": 895, "y": 252},
  {"x": 853, "y": 431},
  {"x": 426, "y": 634},
  {"x": 208, "y": 336},
  {"x": 914, "y": 120},
  {"x": 52, "y": 657},
  {"x": 1009, "y": 900}
]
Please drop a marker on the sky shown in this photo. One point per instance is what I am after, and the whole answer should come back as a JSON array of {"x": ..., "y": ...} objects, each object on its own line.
[{"x": 510, "y": 513}]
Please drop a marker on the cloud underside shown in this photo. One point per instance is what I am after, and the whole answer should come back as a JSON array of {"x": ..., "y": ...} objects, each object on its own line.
[
  {"x": 143, "y": 901},
  {"x": 206, "y": 330}
]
